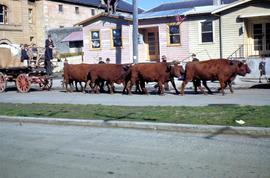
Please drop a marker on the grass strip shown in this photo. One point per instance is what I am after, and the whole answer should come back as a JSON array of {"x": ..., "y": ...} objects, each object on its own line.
[{"x": 211, "y": 115}]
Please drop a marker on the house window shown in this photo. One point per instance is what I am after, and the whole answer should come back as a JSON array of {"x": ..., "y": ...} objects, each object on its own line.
[
  {"x": 95, "y": 39},
  {"x": 93, "y": 12},
  {"x": 267, "y": 35},
  {"x": 117, "y": 37},
  {"x": 207, "y": 31},
  {"x": 3, "y": 14},
  {"x": 60, "y": 8},
  {"x": 174, "y": 34},
  {"x": 77, "y": 10},
  {"x": 258, "y": 36},
  {"x": 31, "y": 38},
  {"x": 30, "y": 15}
]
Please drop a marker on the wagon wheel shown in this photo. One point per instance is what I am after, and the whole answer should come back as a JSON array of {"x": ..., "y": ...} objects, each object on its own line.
[
  {"x": 23, "y": 83},
  {"x": 3, "y": 83},
  {"x": 46, "y": 84}
]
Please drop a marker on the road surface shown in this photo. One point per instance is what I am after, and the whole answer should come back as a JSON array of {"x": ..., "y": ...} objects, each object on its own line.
[{"x": 33, "y": 150}]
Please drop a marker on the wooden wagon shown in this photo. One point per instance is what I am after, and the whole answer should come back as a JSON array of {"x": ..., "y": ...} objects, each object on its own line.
[{"x": 13, "y": 70}]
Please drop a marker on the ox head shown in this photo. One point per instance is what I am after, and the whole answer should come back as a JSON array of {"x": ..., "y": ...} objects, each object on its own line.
[
  {"x": 242, "y": 68},
  {"x": 176, "y": 70}
]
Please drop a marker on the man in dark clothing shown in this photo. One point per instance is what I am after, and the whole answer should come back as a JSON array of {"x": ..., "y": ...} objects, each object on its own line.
[
  {"x": 48, "y": 54},
  {"x": 262, "y": 70},
  {"x": 24, "y": 55}
]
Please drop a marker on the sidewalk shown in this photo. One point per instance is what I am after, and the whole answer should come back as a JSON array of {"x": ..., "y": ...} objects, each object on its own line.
[{"x": 210, "y": 129}]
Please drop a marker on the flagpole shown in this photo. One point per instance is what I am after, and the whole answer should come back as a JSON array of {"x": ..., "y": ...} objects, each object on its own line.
[{"x": 135, "y": 31}]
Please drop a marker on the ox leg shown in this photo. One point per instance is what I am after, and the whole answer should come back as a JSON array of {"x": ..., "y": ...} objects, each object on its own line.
[
  {"x": 66, "y": 84},
  {"x": 82, "y": 88},
  {"x": 205, "y": 85},
  {"x": 161, "y": 88},
  {"x": 97, "y": 87},
  {"x": 71, "y": 86},
  {"x": 173, "y": 84},
  {"x": 132, "y": 82},
  {"x": 144, "y": 90},
  {"x": 125, "y": 83},
  {"x": 184, "y": 83},
  {"x": 138, "y": 87},
  {"x": 110, "y": 87},
  {"x": 222, "y": 86},
  {"x": 230, "y": 86},
  {"x": 200, "y": 87},
  {"x": 76, "y": 86}
]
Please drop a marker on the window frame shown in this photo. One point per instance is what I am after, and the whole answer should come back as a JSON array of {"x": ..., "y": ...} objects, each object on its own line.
[
  {"x": 112, "y": 38},
  {"x": 30, "y": 18},
  {"x": 93, "y": 12},
  {"x": 4, "y": 14},
  {"x": 90, "y": 44},
  {"x": 77, "y": 10},
  {"x": 169, "y": 35},
  {"x": 201, "y": 33},
  {"x": 60, "y": 10}
]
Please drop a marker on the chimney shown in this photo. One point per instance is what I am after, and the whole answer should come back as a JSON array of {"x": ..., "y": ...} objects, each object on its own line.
[{"x": 216, "y": 2}]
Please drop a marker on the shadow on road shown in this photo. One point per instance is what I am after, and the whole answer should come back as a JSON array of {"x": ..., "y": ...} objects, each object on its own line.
[
  {"x": 262, "y": 86},
  {"x": 229, "y": 130}
]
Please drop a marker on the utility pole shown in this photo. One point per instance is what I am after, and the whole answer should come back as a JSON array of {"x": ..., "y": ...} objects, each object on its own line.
[{"x": 135, "y": 31}]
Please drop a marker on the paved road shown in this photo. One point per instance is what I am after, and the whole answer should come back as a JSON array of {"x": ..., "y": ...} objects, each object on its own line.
[
  {"x": 241, "y": 97},
  {"x": 33, "y": 150}
]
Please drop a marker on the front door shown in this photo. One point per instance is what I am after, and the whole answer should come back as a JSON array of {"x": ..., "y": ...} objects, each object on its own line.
[
  {"x": 152, "y": 41},
  {"x": 261, "y": 37}
]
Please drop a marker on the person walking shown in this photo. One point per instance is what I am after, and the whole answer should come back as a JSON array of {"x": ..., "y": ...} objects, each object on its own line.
[
  {"x": 262, "y": 70},
  {"x": 48, "y": 54}
]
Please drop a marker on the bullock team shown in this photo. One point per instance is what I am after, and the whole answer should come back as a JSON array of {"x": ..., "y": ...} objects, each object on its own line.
[{"x": 96, "y": 75}]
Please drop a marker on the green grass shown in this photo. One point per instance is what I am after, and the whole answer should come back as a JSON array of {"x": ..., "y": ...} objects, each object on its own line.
[{"x": 211, "y": 115}]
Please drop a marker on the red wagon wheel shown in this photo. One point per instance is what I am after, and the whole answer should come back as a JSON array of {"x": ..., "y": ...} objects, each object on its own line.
[
  {"x": 3, "y": 82},
  {"x": 23, "y": 83},
  {"x": 46, "y": 83}
]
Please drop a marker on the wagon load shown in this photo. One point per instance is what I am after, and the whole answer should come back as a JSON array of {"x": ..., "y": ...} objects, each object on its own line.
[
  {"x": 8, "y": 59},
  {"x": 13, "y": 70}
]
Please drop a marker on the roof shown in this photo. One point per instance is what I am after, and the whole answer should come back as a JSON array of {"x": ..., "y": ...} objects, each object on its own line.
[
  {"x": 202, "y": 10},
  {"x": 74, "y": 36},
  {"x": 186, "y": 4},
  {"x": 184, "y": 7},
  {"x": 167, "y": 13},
  {"x": 237, "y": 3},
  {"x": 254, "y": 15},
  {"x": 117, "y": 16},
  {"x": 123, "y": 6}
]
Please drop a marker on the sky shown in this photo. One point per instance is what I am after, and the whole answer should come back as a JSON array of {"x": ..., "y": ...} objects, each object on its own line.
[{"x": 149, "y": 4}]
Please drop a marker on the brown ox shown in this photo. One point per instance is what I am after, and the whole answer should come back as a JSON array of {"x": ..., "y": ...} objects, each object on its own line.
[
  {"x": 111, "y": 73},
  {"x": 76, "y": 73},
  {"x": 154, "y": 72},
  {"x": 215, "y": 69}
]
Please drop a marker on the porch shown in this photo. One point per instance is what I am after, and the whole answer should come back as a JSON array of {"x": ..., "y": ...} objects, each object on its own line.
[{"x": 256, "y": 38}]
